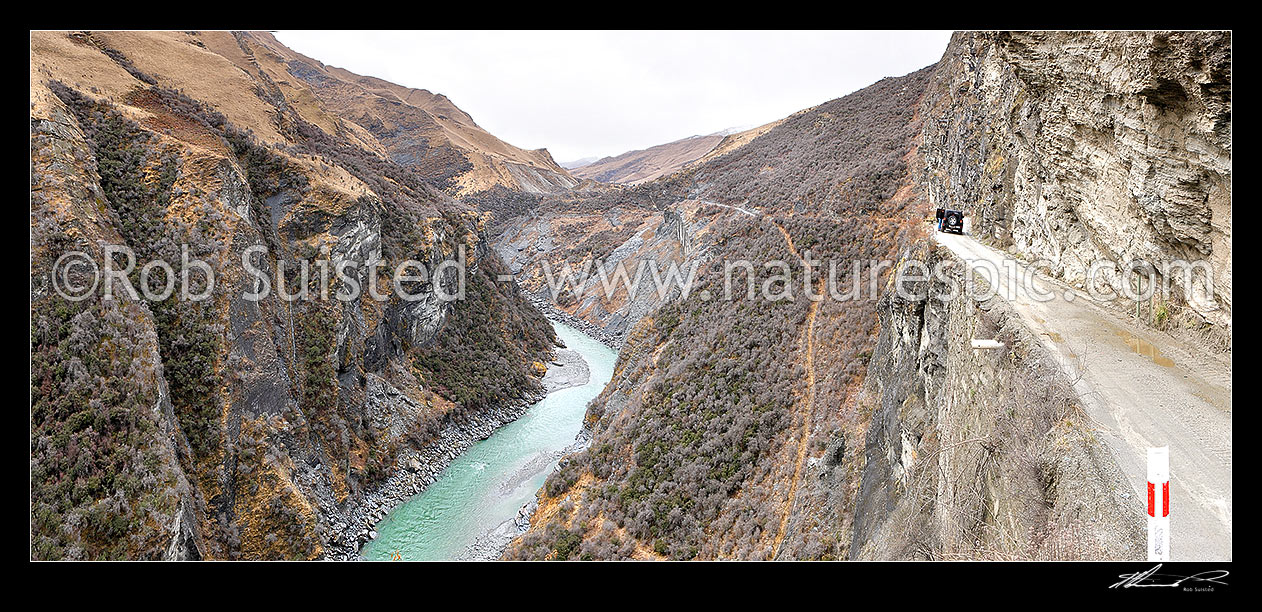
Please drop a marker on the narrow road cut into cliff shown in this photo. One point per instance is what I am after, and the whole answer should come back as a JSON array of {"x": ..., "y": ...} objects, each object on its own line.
[{"x": 1142, "y": 388}]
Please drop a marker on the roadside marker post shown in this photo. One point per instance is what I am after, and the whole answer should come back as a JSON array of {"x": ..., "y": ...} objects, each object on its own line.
[{"x": 1159, "y": 503}]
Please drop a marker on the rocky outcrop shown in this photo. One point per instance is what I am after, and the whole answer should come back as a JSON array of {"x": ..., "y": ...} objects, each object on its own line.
[
  {"x": 979, "y": 453},
  {"x": 1078, "y": 147},
  {"x": 675, "y": 239}
]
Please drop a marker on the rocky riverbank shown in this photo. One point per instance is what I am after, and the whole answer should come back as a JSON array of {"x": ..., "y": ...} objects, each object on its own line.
[
  {"x": 549, "y": 310},
  {"x": 572, "y": 371},
  {"x": 416, "y": 470}
]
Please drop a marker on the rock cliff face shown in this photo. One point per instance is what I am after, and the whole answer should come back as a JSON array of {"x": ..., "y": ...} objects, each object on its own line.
[
  {"x": 978, "y": 453},
  {"x": 232, "y": 428},
  {"x": 597, "y": 245},
  {"x": 1077, "y": 147}
]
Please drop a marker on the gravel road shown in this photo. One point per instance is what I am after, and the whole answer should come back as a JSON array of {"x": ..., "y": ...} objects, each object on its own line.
[{"x": 1143, "y": 388}]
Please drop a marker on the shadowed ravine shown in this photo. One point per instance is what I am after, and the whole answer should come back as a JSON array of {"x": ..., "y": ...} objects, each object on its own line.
[{"x": 486, "y": 486}]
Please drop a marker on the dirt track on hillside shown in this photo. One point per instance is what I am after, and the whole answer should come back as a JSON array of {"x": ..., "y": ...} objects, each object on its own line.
[{"x": 808, "y": 401}]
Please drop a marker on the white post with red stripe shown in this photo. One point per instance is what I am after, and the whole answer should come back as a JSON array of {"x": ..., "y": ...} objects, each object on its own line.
[{"x": 1159, "y": 504}]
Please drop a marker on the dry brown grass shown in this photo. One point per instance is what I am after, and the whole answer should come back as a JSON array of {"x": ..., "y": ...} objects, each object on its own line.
[{"x": 176, "y": 62}]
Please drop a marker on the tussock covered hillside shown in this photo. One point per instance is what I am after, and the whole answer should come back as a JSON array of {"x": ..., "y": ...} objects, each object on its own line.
[
  {"x": 635, "y": 167},
  {"x": 415, "y": 127},
  {"x": 271, "y": 90},
  {"x": 229, "y": 428}
]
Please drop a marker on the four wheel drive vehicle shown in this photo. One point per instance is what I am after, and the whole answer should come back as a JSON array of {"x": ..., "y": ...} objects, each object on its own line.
[{"x": 952, "y": 222}]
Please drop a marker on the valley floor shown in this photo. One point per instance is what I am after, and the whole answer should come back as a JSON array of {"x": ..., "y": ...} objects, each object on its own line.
[{"x": 1142, "y": 388}]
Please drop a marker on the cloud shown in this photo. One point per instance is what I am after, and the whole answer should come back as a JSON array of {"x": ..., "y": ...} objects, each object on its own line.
[{"x": 584, "y": 94}]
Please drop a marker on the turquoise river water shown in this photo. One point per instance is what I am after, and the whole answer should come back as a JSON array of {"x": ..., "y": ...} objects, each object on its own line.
[{"x": 487, "y": 484}]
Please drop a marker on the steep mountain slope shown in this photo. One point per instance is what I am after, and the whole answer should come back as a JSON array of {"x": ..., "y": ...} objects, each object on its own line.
[
  {"x": 711, "y": 440},
  {"x": 230, "y": 427},
  {"x": 650, "y": 227},
  {"x": 568, "y": 257},
  {"x": 417, "y": 127},
  {"x": 736, "y": 425},
  {"x": 635, "y": 167}
]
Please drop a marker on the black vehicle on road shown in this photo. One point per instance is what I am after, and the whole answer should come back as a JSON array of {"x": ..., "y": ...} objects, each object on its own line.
[{"x": 952, "y": 222}]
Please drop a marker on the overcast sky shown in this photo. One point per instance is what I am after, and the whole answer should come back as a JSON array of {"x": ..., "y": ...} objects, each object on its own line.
[{"x": 584, "y": 94}]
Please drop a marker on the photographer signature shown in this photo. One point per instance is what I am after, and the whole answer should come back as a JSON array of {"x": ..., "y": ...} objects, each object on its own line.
[{"x": 1151, "y": 578}]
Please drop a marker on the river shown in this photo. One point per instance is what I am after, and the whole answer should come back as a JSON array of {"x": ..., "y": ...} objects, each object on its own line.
[{"x": 485, "y": 486}]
